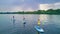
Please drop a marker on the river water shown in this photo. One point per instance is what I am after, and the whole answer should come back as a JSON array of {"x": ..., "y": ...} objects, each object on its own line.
[{"x": 50, "y": 23}]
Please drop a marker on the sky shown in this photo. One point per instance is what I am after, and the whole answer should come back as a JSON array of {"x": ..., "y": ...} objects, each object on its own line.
[{"x": 28, "y": 5}]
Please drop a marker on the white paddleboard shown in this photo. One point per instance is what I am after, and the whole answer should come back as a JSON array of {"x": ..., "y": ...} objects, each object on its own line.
[{"x": 39, "y": 29}]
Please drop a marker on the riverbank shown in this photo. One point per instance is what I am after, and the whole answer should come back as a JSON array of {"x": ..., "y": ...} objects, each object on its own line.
[{"x": 50, "y": 11}]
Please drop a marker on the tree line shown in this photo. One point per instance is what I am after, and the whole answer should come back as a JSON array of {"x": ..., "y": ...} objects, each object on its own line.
[{"x": 50, "y": 11}]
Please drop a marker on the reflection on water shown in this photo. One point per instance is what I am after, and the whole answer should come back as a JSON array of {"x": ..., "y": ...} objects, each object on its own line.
[
  {"x": 50, "y": 23},
  {"x": 37, "y": 33},
  {"x": 44, "y": 18}
]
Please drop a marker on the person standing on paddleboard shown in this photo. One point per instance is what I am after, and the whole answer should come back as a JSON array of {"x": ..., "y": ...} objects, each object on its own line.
[{"x": 38, "y": 22}]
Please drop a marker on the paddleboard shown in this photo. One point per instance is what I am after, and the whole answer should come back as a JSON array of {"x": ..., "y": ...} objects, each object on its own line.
[{"x": 39, "y": 29}]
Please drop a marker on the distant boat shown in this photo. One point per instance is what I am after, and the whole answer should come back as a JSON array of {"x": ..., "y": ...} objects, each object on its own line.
[{"x": 38, "y": 28}]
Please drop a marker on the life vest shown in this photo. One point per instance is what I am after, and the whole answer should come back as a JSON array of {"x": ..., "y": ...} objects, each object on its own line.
[{"x": 38, "y": 21}]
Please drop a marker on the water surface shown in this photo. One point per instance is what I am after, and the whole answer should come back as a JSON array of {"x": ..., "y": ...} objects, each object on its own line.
[{"x": 50, "y": 23}]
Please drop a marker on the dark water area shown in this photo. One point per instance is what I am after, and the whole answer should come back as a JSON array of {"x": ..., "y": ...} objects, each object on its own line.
[{"x": 24, "y": 24}]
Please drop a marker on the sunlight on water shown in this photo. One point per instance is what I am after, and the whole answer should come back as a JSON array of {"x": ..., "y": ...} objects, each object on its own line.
[{"x": 43, "y": 18}]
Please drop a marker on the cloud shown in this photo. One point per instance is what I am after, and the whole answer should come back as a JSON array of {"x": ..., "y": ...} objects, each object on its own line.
[
  {"x": 46, "y": 6},
  {"x": 57, "y": 5},
  {"x": 18, "y": 5},
  {"x": 50, "y": 6},
  {"x": 47, "y": 1},
  {"x": 27, "y": 5}
]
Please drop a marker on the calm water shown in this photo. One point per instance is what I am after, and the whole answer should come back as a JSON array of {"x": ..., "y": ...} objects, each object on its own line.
[{"x": 50, "y": 23}]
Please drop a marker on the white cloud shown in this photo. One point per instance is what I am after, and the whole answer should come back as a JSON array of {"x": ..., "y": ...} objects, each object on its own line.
[
  {"x": 57, "y": 5},
  {"x": 50, "y": 6},
  {"x": 20, "y": 8},
  {"x": 16, "y": 8},
  {"x": 45, "y": 6}
]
